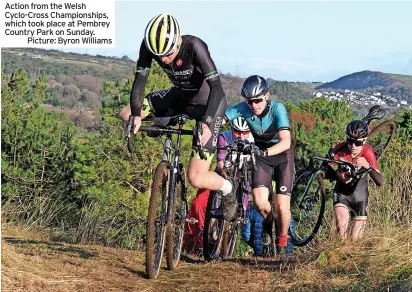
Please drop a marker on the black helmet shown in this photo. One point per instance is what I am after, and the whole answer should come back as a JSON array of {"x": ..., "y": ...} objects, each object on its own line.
[
  {"x": 357, "y": 129},
  {"x": 254, "y": 86}
]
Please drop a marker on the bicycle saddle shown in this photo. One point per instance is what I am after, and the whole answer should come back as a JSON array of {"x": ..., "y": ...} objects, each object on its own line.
[{"x": 375, "y": 113}]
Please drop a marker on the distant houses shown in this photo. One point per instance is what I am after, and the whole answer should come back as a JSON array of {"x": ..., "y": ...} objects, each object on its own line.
[{"x": 361, "y": 98}]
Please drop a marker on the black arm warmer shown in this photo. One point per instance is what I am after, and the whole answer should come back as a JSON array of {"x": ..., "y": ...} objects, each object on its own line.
[
  {"x": 331, "y": 174},
  {"x": 376, "y": 177},
  {"x": 137, "y": 93},
  {"x": 216, "y": 95}
]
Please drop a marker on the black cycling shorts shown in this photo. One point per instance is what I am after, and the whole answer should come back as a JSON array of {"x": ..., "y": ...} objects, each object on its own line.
[
  {"x": 354, "y": 196},
  {"x": 173, "y": 101},
  {"x": 356, "y": 205},
  {"x": 280, "y": 167}
]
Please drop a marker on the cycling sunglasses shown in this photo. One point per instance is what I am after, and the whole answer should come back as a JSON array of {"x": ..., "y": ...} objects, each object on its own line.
[
  {"x": 357, "y": 143},
  {"x": 238, "y": 133},
  {"x": 168, "y": 55},
  {"x": 252, "y": 101}
]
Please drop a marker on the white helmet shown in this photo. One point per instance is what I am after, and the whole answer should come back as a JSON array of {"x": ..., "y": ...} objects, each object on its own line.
[
  {"x": 239, "y": 124},
  {"x": 162, "y": 34}
]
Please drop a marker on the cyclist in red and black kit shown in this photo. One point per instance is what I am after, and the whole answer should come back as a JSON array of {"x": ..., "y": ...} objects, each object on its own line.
[
  {"x": 197, "y": 92},
  {"x": 350, "y": 195}
]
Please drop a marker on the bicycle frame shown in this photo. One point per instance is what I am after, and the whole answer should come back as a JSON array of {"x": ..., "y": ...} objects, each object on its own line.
[{"x": 175, "y": 169}]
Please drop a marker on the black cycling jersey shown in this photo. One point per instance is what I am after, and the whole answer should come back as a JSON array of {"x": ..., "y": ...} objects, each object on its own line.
[{"x": 191, "y": 71}]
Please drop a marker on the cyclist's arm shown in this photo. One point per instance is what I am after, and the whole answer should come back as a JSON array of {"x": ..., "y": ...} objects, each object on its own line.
[
  {"x": 282, "y": 145},
  {"x": 374, "y": 173},
  {"x": 142, "y": 72},
  {"x": 331, "y": 174},
  {"x": 216, "y": 94},
  {"x": 282, "y": 121}
]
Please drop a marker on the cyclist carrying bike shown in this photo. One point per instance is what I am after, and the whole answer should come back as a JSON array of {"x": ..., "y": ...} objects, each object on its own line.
[
  {"x": 350, "y": 196},
  {"x": 197, "y": 92},
  {"x": 269, "y": 123},
  {"x": 193, "y": 240}
]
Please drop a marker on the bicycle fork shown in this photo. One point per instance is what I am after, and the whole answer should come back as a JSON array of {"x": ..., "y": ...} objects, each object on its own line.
[{"x": 173, "y": 173}]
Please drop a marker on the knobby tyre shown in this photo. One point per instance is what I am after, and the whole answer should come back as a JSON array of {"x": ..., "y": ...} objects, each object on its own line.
[
  {"x": 307, "y": 206},
  {"x": 156, "y": 220},
  {"x": 231, "y": 228},
  {"x": 176, "y": 225},
  {"x": 230, "y": 238},
  {"x": 381, "y": 136},
  {"x": 213, "y": 227}
]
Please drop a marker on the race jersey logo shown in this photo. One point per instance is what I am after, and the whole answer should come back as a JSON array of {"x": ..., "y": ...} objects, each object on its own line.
[{"x": 179, "y": 62}]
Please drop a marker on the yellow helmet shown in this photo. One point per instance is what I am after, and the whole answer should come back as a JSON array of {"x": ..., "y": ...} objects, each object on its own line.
[{"x": 162, "y": 34}]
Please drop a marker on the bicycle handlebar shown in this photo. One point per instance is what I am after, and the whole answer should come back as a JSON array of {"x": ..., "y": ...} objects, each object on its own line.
[
  {"x": 241, "y": 147},
  {"x": 158, "y": 129},
  {"x": 354, "y": 173}
]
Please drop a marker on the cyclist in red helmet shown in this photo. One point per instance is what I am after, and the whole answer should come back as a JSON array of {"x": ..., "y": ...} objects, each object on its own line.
[{"x": 350, "y": 196}]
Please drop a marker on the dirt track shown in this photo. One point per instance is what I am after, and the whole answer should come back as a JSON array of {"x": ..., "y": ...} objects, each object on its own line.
[{"x": 35, "y": 265}]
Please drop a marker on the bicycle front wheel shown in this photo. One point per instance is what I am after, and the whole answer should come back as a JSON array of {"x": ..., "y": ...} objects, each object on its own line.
[
  {"x": 213, "y": 228},
  {"x": 307, "y": 207},
  {"x": 176, "y": 225},
  {"x": 156, "y": 220},
  {"x": 380, "y": 137}
]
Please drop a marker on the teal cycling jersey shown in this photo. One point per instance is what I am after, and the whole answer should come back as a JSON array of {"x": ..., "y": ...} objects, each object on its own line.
[{"x": 265, "y": 126}]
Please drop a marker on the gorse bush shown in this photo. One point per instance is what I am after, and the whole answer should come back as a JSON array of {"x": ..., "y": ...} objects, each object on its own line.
[{"x": 88, "y": 188}]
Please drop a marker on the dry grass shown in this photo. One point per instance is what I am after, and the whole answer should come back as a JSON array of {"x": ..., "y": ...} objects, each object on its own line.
[{"x": 32, "y": 263}]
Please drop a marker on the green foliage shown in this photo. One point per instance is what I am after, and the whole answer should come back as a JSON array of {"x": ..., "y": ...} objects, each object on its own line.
[
  {"x": 36, "y": 155},
  {"x": 286, "y": 91}
]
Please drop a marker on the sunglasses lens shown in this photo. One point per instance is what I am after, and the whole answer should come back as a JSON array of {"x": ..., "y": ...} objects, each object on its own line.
[
  {"x": 254, "y": 101},
  {"x": 354, "y": 142},
  {"x": 238, "y": 133}
]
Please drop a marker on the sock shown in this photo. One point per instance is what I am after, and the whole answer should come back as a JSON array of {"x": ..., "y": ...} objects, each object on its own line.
[
  {"x": 226, "y": 188},
  {"x": 283, "y": 240}
]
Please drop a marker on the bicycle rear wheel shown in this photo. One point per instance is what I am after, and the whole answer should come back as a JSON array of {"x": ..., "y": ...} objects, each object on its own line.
[
  {"x": 156, "y": 220},
  {"x": 213, "y": 228},
  {"x": 381, "y": 136},
  {"x": 176, "y": 225},
  {"x": 307, "y": 207}
]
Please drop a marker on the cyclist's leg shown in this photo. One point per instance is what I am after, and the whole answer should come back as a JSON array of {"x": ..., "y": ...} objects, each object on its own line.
[
  {"x": 199, "y": 204},
  {"x": 157, "y": 103},
  {"x": 261, "y": 182},
  {"x": 283, "y": 175},
  {"x": 198, "y": 173},
  {"x": 342, "y": 213},
  {"x": 360, "y": 219}
]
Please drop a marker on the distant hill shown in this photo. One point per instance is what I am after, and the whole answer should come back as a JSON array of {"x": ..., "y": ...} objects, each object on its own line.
[{"x": 396, "y": 85}]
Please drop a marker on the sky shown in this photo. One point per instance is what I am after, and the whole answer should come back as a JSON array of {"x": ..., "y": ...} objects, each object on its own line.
[{"x": 288, "y": 40}]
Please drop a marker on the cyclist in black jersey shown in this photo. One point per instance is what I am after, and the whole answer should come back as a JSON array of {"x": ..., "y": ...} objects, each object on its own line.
[{"x": 197, "y": 92}]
